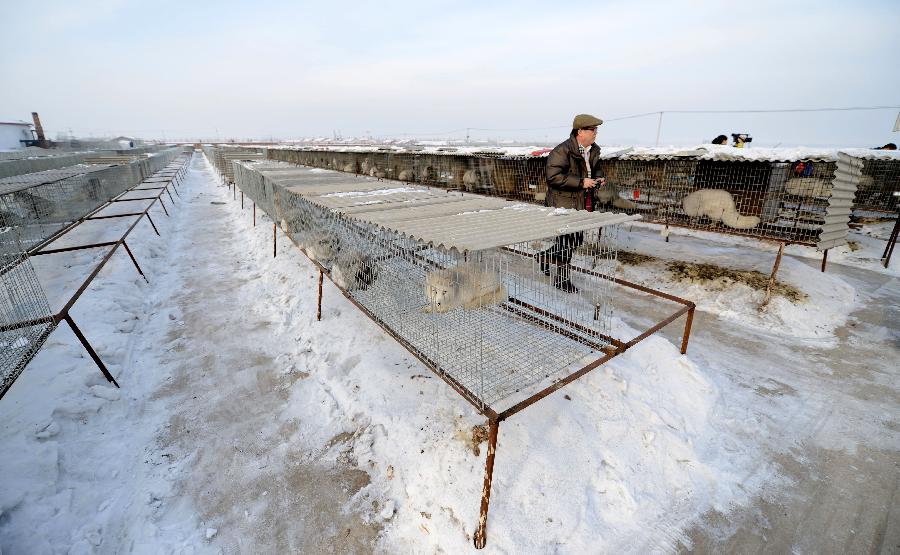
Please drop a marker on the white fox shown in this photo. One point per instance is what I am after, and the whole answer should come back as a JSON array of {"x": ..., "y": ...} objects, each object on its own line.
[
  {"x": 354, "y": 270},
  {"x": 465, "y": 286},
  {"x": 718, "y": 206}
]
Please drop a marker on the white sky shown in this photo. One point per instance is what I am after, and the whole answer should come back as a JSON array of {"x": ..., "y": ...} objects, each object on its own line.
[{"x": 294, "y": 69}]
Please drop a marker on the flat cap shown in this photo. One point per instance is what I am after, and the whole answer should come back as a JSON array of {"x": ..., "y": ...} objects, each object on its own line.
[{"x": 586, "y": 120}]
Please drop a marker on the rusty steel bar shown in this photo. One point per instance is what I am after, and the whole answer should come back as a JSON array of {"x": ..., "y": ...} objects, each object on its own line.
[
  {"x": 687, "y": 330},
  {"x": 124, "y": 244},
  {"x": 242, "y": 200},
  {"x": 149, "y": 219},
  {"x": 681, "y": 311},
  {"x": 161, "y": 203},
  {"x": 274, "y": 240},
  {"x": 319, "y": 305},
  {"x": 481, "y": 534},
  {"x": 26, "y": 323},
  {"x": 133, "y": 199},
  {"x": 254, "y": 213},
  {"x": 558, "y": 385},
  {"x": 824, "y": 259},
  {"x": 89, "y": 349},
  {"x": 547, "y": 314},
  {"x": 78, "y": 248},
  {"x": 892, "y": 242},
  {"x": 772, "y": 277},
  {"x": 114, "y": 216}
]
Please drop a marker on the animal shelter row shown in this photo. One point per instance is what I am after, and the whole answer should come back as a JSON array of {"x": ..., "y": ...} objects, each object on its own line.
[
  {"x": 35, "y": 206},
  {"x": 782, "y": 196}
]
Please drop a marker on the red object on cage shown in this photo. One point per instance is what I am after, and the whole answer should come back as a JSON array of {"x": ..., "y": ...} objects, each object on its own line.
[
  {"x": 637, "y": 194},
  {"x": 541, "y": 151}
]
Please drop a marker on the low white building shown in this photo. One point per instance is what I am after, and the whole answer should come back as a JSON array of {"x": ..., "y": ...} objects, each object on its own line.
[{"x": 12, "y": 133}]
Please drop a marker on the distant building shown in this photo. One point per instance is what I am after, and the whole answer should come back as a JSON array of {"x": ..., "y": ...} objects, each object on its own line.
[{"x": 12, "y": 133}]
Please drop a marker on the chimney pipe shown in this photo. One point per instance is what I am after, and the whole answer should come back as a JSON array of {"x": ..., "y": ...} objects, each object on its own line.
[{"x": 39, "y": 129}]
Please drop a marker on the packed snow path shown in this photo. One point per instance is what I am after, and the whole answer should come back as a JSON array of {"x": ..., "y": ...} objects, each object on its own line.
[{"x": 245, "y": 426}]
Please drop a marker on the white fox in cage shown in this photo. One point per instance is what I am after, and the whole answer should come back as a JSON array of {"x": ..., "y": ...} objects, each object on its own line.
[
  {"x": 354, "y": 270},
  {"x": 465, "y": 286},
  {"x": 718, "y": 206}
]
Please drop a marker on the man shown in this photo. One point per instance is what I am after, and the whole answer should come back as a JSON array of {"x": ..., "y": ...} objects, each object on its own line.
[{"x": 573, "y": 171}]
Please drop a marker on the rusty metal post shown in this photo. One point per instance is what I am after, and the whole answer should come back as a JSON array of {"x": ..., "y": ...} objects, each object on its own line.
[
  {"x": 481, "y": 533},
  {"x": 772, "y": 277},
  {"x": 274, "y": 240},
  {"x": 319, "y": 309},
  {"x": 242, "y": 200},
  {"x": 124, "y": 244},
  {"x": 89, "y": 349},
  {"x": 824, "y": 259},
  {"x": 687, "y": 330},
  {"x": 254, "y": 213},
  {"x": 892, "y": 241},
  {"x": 163, "y": 207},
  {"x": 170, "y": 196},
  {"x": 151, "y": 223}
]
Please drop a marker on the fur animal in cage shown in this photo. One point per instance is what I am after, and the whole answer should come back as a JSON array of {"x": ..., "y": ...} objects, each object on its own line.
[
  {"x": 718, "y": 206},
  {"x": 466, "y": 286}
]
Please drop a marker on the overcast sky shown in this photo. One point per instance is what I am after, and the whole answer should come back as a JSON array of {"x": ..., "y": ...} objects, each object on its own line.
[{"x": 296, "y": 69}]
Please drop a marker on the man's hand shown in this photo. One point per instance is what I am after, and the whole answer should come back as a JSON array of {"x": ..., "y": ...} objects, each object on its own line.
[{"x": 589, "y": 183}]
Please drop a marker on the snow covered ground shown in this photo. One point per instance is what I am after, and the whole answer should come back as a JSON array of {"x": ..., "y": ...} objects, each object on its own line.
[{"x": 245, "y": 426}]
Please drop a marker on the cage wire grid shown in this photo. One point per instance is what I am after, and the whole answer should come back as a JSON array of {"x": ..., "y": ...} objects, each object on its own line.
[
  {"x": 33, "y": 211},
  {"x": 508, "y": 327},
  {"x": 25, "y": 317},
  {"x": 791, "y": 200}
]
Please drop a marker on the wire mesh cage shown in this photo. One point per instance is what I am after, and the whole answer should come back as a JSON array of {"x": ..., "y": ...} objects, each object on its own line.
[
  {"x": 39, "y": 204},
  {"x": 780, "y": 197},
  {"x": 25, "y": 317},
  {"x": 492, "y": 293},
  {"x": 879, "y": 181}
]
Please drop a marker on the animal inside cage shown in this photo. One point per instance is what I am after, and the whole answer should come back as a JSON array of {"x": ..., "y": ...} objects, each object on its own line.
[
  {"x": 778, "y": 196},
  {"x": 498, "y": 296}
]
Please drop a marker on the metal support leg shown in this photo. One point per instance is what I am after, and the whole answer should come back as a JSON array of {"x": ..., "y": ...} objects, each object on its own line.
[
  {"x": 161, "y": 203},
  {"x": 254, "y": 213},
  {"x": 149, "y": 219},
  {"x": 274, "y": 240},
  {"x": 242, "y": 200},
  {"x": 772, "y": 277},
  {"x": 124, "y": 244},
  {"x": 892, "y": 242},
  {"x": 687, "y": 330},
  {"x": 170, "y": 196},
  {"x": 481, "y": 533},
  {"x": 824, "y": 259},
  {"x": 90, "y": 350},
  {"x": 319, "y": 309}
]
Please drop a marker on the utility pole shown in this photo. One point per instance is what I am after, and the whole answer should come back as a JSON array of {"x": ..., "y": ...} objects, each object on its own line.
[{"x": 659, "y": 128}]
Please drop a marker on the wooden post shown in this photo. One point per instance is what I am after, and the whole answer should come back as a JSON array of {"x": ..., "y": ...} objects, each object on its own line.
[{"x": 772, "y": 277}]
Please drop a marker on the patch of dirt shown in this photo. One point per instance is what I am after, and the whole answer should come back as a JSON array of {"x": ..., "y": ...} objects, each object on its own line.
[
  {"x": 723, "y": 277},
  {"x": 853, "y": 246},
  {"x": 634, "y": 259},
  {"x": 479, "y": 435},
  {"x": 871, "y": 219}
]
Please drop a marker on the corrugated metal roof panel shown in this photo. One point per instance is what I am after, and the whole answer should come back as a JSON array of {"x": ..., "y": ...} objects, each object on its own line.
[{"x": 450, "y": 220}]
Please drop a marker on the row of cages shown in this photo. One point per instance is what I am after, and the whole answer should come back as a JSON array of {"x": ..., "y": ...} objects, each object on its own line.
[
  {"x": 34, "y": 207},
  {"x": 495, "y": 321},
  {"x": 795, "y": 201}
]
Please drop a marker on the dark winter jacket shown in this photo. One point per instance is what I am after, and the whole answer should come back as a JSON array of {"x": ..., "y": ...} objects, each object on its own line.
[{"x": 566, "y": 172}]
